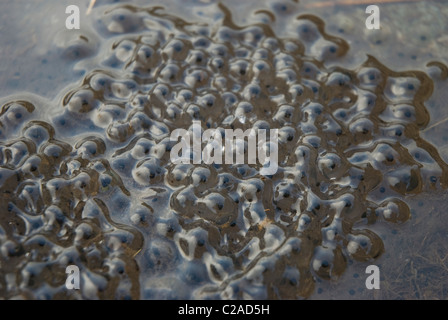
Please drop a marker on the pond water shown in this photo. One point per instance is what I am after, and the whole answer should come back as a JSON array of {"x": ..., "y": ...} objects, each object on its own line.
[{"x": 86, "y": 177}]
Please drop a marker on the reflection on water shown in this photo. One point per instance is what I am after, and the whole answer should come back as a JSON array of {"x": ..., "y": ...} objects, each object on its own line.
[{"x": 87, "y": 179}]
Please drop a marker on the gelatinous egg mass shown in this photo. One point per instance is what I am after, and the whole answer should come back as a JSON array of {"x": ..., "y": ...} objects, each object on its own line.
[{"x": 89, "y": 181}]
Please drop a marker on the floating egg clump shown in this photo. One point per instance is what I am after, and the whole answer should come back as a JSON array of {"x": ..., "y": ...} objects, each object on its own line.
[{"x": 89, "y": 181}]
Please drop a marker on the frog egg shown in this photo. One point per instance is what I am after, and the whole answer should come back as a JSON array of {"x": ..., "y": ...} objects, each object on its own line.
[
  {"x": 313, "y": 141},
  {"x": 83, "y": 232},
  {"x": 362, "y": 129},
  {"x": 81, "y": 101},
  {"x": 243, "y": 112},
  {"x": 218, "y": 64},
  {"x": 142, "y": 149},
  {"x": 119, "y": 131},
  {"x": 260, "y": 69},
  {"x": 328, "y": 263},
  {"x": 285, "y": 115},
  {"x": 11, "y": 249},
  {"x": 261, "y": 54},
  {"x": 38, "y": 131},
  {"x": 250, "y": 190},
  {"x": 329, "y": 164},
  {"x": 404, "y": 180},
  {"x": 122, "y": 90},
  {"x": 161, "y": 91},
  {"x": 75, "y": 45},
  {"x": 148, "y": 172},
  {"x": 16, "y": 112},
  {"x": 161, "y": 255},
  {"x": 211, "y": 101},
  {"x": 184, "y": 96},
  {"x": 239, "y": 68},
  {"x": 90, "y": 147},
  {"x": 141, "y": 121},
  {"x": 92, "y": 284},
  {"x": 307, "y": 31},
  {"x": 370, "y": 78},
  {"x": 286, "y": 135},
  {"x": 304, "y": 222},
  {"x": 193, "y": 110},
  {"x": 18, "y": 152},
  {"x": 197, "y": 78},
  {"x": 394, "y": 211},
  {"x": 337, "y": 79},
  {"x": 200, "y": 175},
  {"x": 173, "y": 111},
  {"x": 55, "y": 152},
  {"x": 106, "y": 181},
  {"x": 124, "y": 50},
  {"x": 142, "y": 216},
  {"x": 285, "y": 196},
  {"x": 193, "y": 272},
  {"x": 288, "y": 75},
  {"x": 144, "y": 54},
  {"x": 102, "y": 118},
  {"x": 401, "y": 113},
  {"x": 197, "y": 57},
  {"x": 83, "y": 184},
  {"x": 364, "y": 245},
  {"x": 176, "y": 49},
  {"x": 120, "y": 21},
  {"x": 53, "y": 218},
  {"x": 170, "y": 73},
  {"x": 218, "y": 208},
  {"x": 384, "y": 155}
]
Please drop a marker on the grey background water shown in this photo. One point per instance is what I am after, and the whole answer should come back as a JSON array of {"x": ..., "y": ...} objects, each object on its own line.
[{"x": 415, "y": 265}]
